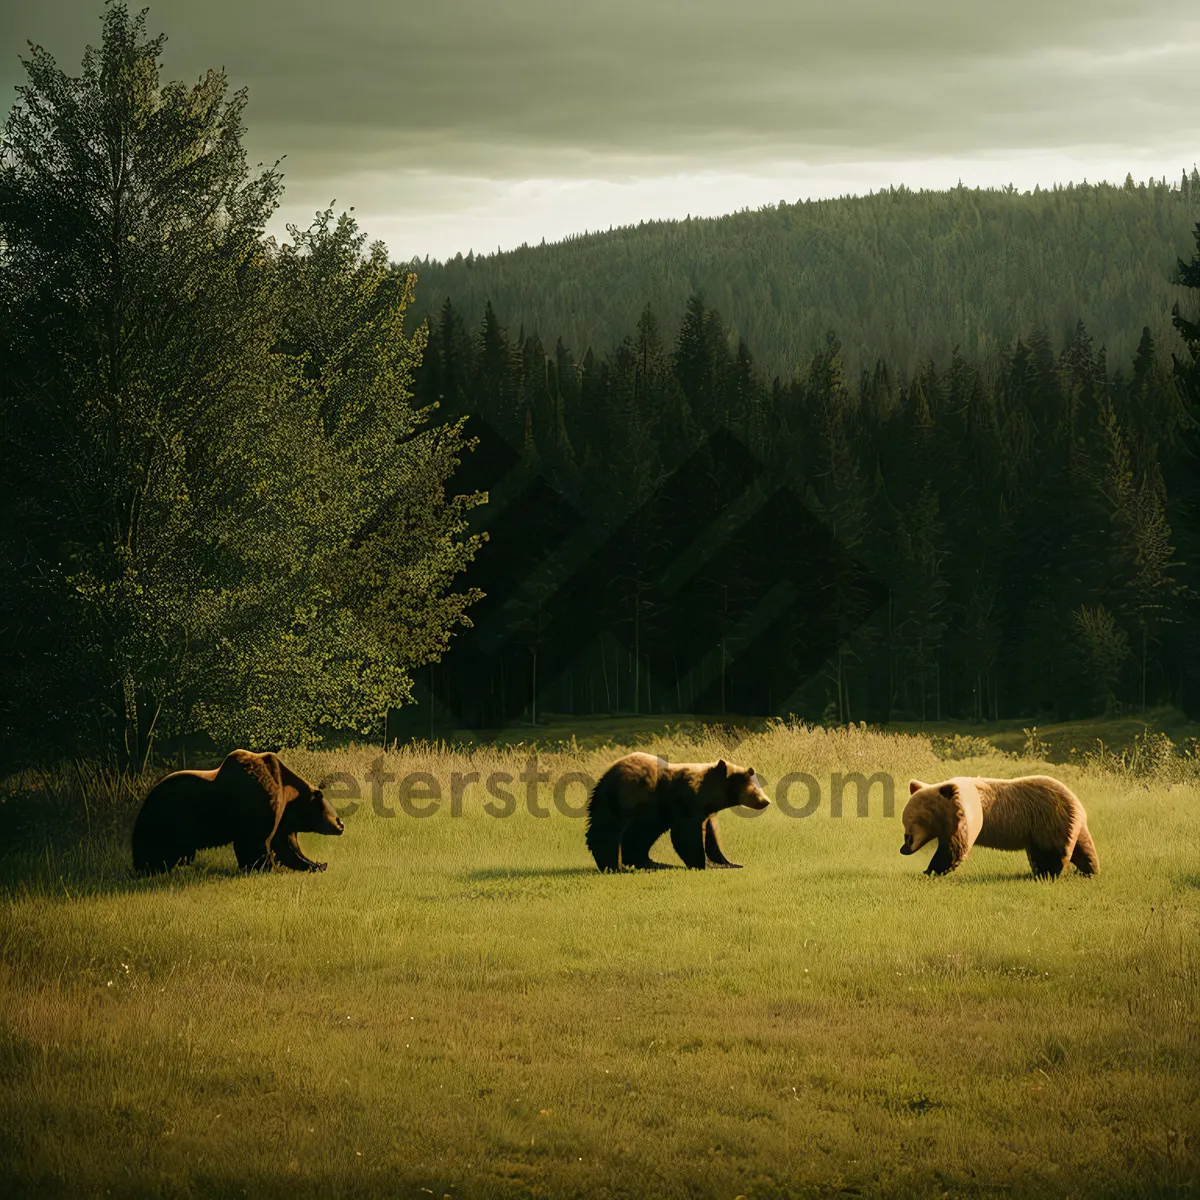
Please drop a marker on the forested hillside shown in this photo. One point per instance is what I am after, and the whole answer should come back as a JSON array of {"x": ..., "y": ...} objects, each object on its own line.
[
  {"x": 900, "y": 275},
  {"x": 673, "y": 529}
]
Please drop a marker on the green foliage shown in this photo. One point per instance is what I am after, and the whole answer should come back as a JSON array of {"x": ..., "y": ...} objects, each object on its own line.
[
  {"x": 1034, "y": 525},
  {"x": 1035, "y": 747},
  {"x": 901, "y": 275},
  {"x": 960, "y": 746},
  {"x": 1104, "y": 646},
  {"x": 1187, "y": 325},
  {"x": 197, "y": 459},
  {"x": 1153, "y": 757}
]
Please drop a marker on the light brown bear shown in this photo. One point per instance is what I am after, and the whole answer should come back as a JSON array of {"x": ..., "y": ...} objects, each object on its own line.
[
  {"x": 1035, "y": 813},
  {"x": 641, "y": 797}
]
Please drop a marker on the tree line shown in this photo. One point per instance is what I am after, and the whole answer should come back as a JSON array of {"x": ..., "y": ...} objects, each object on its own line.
[
  {"x": 902, "y": 275},
  {"x": 951, "y": 542}
]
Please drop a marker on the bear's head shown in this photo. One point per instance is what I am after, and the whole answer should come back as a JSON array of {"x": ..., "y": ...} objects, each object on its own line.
[
  {"x": 314, "y": 814},
  {"x": 728, "y": 786},
  {"x": 934, "y": 811}
]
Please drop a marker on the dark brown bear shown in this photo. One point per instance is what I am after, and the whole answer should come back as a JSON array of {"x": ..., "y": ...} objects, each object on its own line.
[
  {"x": 251, "y": 800},
  {"x": 640, "y": 797}
]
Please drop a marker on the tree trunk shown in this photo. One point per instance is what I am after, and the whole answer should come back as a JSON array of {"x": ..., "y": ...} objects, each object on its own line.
[
  {"x": 150, "y": 735},
  {"x": 129, "y": 690},
  {"x": 637, "y": 656},
  {"x": 924, "y": 689},
  {"x": 1143, "y": 668}
]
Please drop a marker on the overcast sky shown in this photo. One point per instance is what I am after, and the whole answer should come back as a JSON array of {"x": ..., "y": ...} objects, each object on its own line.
[{"x": 470, "y": 124}]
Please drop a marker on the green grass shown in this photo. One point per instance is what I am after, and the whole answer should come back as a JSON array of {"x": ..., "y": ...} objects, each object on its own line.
[{"x": 463, "y": 1006}]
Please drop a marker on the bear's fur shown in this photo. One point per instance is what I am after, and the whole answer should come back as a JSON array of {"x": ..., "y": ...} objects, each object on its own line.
[
  {"x": 640, "y": 797},
  {"x": 1035, "y": 813},
  {"x": 251, "y": 800}
]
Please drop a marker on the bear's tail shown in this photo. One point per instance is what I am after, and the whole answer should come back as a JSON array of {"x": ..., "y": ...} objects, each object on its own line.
[
  {"x": 604, "y": 824},
  {"x": 1084, "y": 855}
]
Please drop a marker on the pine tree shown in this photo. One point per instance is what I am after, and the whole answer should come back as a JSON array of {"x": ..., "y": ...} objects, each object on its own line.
[
  {"x": 1188, "y": 328},
  {"x": 144, "y": 404},
  {"x": 199, "y": 452}
]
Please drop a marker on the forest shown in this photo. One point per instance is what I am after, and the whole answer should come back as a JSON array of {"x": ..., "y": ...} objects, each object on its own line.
[
  {"x": 901, "y": 275},
  {"x": 672, "y": 530},
  {"x": 908, "y": 456}
]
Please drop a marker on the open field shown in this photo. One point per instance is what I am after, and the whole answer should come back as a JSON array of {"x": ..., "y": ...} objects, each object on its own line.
[{"x": 462, "y": 1006}]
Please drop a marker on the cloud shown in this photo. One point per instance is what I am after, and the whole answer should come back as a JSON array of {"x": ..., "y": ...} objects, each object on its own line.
[
  {"x": 505, "y": 80},
  {"x": 436, "y": 96}
]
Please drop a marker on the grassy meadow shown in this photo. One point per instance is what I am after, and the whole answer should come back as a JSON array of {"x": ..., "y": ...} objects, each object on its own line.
[{"x": 463, "y": 1006}]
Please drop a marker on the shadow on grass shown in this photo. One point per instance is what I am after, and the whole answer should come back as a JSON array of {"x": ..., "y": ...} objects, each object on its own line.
[
  {"x": 91, "y": 870},
  {"x": 1007, "y": 877},
  {"x": 492, "y": 874}
]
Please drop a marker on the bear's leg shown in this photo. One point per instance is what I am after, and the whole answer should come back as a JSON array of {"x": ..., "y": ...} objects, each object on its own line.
[
  {"x": 712, "y": 847},
  {"x": 253, "y": 853},
  {"x": 287, "y": 852},
  {"x": 167, "y": 858},
  {"x": 160, "y": 851},
  {"x": 1084, "y": 855},
  {"x": 253, "y": 842},
  {"x": 942, "y": 862},
  {"x": 1046, "y": 863},
  {"x": 604, "y": 839},
  {"x": 639, "y": 837},
  {"x": 687, "y": 836}
]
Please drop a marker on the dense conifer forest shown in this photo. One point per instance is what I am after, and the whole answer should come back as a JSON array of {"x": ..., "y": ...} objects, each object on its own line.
[
  {"x": 673, "y": 528},
  {"x": 901, "y": 275},
  {"x": 903, "y": 456}
]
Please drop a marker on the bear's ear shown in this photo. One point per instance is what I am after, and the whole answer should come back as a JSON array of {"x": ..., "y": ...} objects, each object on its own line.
[
  {"x": 915, "y": 785},
  {"x": 721, "y": 768},
  {"x": 948, "y": 790}
]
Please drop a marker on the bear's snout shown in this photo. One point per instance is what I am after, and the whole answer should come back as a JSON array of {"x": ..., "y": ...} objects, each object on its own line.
[
  {"x": 907, "y": 848},
  {"x": 338, "y": 823}
]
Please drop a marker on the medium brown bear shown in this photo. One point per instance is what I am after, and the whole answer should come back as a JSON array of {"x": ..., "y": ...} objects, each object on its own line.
[
  {"x": 251, "y": 800},
  {"x": 640, "y": 797},
  {"x": 1035, "y": 813}
]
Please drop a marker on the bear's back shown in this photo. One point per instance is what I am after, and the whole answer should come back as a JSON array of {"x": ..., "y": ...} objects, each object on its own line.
[
  {"x": 188, "y": 807},
  {"x": 632, "y": 781},
  {"x": 182, "y": 789},
  {"x": 1037, "y": 807}
]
